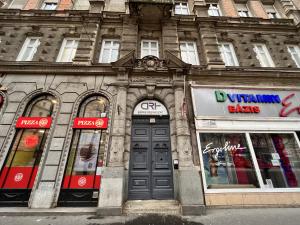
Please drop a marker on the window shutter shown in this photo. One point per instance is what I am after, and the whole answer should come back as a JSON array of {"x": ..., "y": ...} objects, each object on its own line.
[{"x": 82, "y": 5}]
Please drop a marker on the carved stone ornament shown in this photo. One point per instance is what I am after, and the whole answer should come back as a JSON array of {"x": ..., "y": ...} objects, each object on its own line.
[{"x": 150, "y": 63}]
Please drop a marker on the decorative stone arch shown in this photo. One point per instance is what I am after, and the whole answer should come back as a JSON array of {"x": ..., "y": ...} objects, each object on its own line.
[
  {"x": 68, "y": 139},
  {"x": 23, "y": 106},
  {"x": 3, "y": 103},
  {"x": 20, "y": 111},
  {"x": 168, "y": 102}
]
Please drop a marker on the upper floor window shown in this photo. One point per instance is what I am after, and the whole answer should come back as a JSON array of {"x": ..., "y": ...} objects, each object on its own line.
[
  {"x": 228, "y": 54},
  {"x": 295, "y": 53},
  {"x": 109, "y": 51},
  {"x": 17, "y": 4},
  {"x": 68, "y": 50},
  {"x": 271, "y": 11},
  {"x": 81, "y": 4},
  {"x": 263, "y": 55},
  {"x": 189, "y": 53},
  {"x": 214, "y": 10},
  {"x": 182, "y": 8},
  {"x": 29, "y": 48},
  {"x": 243, "y": 10},
  {"x": 149, "y": 47},
  {"x": 49, "y": 5}
]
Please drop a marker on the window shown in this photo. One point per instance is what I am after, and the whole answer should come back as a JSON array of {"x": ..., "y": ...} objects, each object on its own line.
[
  {"x": 81, "y": 5},
  {"x": 278, "y": 159},
  {"x": 25, "y": 153},
  {"x": 243, "y": 10},
  {"x": 295, "y": 53},
  {"x": 189, "y": 53},
  {"x": 271, "y": 11},
  {"x": 49, "y": 5},
  {"x": 149, "y": 47},
  {"x": 181, "y": 8},
  {"x": 263, "y": 56},
  {"x": 68, "y": 50},
  {"x": 228, "y": 54},
  {"x": 213, "y": 10},
  {"x": 109, "y": 51},
  {"x": 87, "y": 149},
  {"x": 17, "y": 4},
  {"x": 29, "y": 48},
  {"x": 250, "y": 160},
  {"x": 227, "y": 161}
]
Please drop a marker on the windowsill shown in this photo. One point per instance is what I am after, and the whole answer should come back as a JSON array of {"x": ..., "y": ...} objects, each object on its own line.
[{"x": 255, "y": 20}]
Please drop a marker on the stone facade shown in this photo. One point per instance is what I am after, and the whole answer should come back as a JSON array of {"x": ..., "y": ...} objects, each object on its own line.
[{"x": 125, "y": 82}]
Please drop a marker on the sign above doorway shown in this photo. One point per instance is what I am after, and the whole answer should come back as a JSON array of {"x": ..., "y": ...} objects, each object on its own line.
[{"x": 150, "y": 108}]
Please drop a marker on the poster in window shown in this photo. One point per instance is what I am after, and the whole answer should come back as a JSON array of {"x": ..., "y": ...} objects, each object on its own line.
[{"x": 86, "y": 156}]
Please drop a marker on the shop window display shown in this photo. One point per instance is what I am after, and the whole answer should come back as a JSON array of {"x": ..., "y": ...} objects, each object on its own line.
[
  {"x": 278, "y": 157},
  {"x": 227, "y": 161}
]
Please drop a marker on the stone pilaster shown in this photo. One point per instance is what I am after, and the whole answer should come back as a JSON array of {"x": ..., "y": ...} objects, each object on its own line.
[
  {"x": 170, "y": 37},
  {"x": 190, "y": 196},
  {"x": 97, "y": 6},
  {"x": 129, "y": 36},
  {"x": 200, "y": 8},
  {"x": 86, "y": 45},
  {"x": 112, "y": 183},
  {"x": 210, "y": 44},
  {"x": 118, "y": 132}
]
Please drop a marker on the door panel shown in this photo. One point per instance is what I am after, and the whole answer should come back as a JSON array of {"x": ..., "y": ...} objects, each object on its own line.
[{"x": 150, "y": 172}]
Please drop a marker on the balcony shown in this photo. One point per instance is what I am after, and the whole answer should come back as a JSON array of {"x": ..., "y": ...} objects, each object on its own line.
[{"x": 151, "y": 10}]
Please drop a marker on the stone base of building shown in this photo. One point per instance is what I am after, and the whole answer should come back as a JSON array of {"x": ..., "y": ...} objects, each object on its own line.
[{"x": 253, "y": 199}]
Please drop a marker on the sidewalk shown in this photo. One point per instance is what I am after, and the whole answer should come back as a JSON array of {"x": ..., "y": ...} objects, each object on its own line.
[{"x": 261, "y": 216}]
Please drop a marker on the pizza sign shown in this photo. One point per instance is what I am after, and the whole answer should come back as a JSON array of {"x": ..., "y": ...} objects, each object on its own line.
[
  {"x": 34, "y": 122},
  {"x": 90, "y": 123}
]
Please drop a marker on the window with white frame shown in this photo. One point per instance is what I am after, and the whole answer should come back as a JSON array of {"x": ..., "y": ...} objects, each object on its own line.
[
  {"x": 81, "y": 5},
  {"x": 228, "y": 54},
  {"x": 214, "y": 10},
  {"x": 17, "y": 4},
  {"x": 295, "y": 53},
  {"x": 49, "y": 6},
  {"x": 243, "y": 10},
  {"x": 263, "y": 55},
  {"x": 28, "y": 49},
  {"x": 109, "y": 51},
  {"x": 271, "y": 11},
  {"x": 149, "y": 47},
  {"x": 250, "y": 160},
  {"x": 189, "y": 53},
  {"x": 68, "y": 50},
  {"x": 182, "y": 8}
]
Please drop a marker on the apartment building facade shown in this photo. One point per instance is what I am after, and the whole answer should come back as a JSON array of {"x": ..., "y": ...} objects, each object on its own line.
[{"x": 106, "y": 102}]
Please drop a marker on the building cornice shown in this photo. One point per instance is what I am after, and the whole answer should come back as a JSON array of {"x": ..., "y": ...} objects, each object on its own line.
[
  {"x": 246, "y": 72},
  {"x": 54, "y": 68}
]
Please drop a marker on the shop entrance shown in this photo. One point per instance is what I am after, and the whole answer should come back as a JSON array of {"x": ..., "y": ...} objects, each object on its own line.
[{"x": 150, "y": 172}]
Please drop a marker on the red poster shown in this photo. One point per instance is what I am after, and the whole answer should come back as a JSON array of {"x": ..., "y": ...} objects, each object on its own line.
[
  {"x": 34, "y": 122},
  {"x": 82, "y": 181},
  {"x": 90, "y": 123},
  {"x": 19, "y": 177}
]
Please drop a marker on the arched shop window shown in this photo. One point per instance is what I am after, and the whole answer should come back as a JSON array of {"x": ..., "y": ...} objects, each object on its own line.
[
  {"x": 20, "y": 168},
  {"x": 83, "y": 171}
]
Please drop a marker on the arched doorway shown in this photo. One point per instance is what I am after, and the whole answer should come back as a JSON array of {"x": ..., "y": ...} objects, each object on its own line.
[
  {"x": 82, "y": 176},
  {"x": 150, "y": 167},
  {"x": 21, "y": 165}
]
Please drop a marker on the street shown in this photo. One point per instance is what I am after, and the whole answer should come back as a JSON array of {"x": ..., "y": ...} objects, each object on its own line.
[{"x": 258, "y": 216}]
